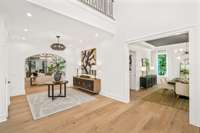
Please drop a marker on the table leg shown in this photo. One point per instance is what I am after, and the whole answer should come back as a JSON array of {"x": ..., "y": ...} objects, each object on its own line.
[
  {"x": 48, "y": 90},
  {"x": 52, "y": 92},
  {"x": 31, "y": 81},
  {"x": 65, "y": 90},
  {"x": 60, "y": 89},
  {"x": 175, "y": 90}
]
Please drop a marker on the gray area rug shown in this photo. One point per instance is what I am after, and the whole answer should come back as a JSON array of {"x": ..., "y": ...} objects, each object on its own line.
[{"x": 41, "y": 105}]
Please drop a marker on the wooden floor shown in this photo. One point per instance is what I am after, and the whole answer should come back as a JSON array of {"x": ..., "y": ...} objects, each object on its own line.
[
  {"x": 102, "y": 115},
  {"x": 35, "y": 88}
]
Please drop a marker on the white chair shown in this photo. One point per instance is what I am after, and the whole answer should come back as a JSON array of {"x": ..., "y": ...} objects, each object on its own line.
[{"x": 164, "y": 85}]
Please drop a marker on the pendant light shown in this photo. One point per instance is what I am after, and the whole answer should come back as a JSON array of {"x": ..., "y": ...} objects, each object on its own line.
[{"x": 58, "y": 46}]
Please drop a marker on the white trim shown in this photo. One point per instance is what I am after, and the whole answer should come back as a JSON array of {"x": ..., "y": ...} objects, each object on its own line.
[
  {"x": 3, "y": 118},
  {"x": 114, "y": 97}
]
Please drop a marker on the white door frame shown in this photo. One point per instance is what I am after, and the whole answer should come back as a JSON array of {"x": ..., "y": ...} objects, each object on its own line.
[
  {"x": 133, "y": 71},
  {"x": 4, "y": 93},
  {"x": 191, "y": 31}
]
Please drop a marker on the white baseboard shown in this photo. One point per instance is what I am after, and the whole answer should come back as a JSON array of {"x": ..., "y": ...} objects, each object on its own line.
[
  {"x": 114, "y": 97},
  {"x": 18, "y": 93},
  {"x": 195, "y": 123},
  {"x": 3, "y": 118}
]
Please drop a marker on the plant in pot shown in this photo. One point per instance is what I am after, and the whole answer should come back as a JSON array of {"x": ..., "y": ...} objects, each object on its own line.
[
  {"x": 57, "y": 68},
  {"x": 185, "y": 72}
]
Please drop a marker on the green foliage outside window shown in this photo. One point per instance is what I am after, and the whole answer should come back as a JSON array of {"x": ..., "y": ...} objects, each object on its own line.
[{"x": 162, "y": 64}]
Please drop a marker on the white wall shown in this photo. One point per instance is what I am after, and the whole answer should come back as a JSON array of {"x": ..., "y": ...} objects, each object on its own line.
[
  {"x": 3, "y": 74},
  {"x": 20, "y": 51},
  {"x": 135, "y": 21},
  {"x": 140, "y": 53},
  {"x": 194, "y": 76},
  {"x": 173, "y": 64},
  {"x": 138, "y": 20},
  {"x": 110, "y": 74}
]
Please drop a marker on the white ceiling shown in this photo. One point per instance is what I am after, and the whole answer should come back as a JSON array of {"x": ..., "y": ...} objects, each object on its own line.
[{"x": 44, "y": 25}]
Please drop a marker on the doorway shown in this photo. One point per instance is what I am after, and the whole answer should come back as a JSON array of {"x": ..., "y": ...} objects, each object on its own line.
[
  {"x": 39, "y": 69},
  {"x": 162, "y": 69},
  {"x": 132, "y": 69}
]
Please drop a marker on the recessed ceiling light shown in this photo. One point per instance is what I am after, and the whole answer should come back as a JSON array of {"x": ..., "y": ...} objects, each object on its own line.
[
  {"x": 176, "y": 51},
  {"x": 181, "y": 50},
  {"x": 81, "y": 41},
  {"x": 26, "y": 30},
  {"x": 29, "y": 14},
  {"x": 23, "y": 38},
  {"x": 178, "y": 58},
  {"x": 96, "y": 34}
]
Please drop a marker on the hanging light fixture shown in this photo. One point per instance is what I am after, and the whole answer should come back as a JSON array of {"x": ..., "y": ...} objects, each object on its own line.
[
  {"x": 187, "y": 48},
  {"x": 58, "y": 46}
]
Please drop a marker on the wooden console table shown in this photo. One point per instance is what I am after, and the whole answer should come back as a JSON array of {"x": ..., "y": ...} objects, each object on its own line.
[{"x": 88, "y": 84}]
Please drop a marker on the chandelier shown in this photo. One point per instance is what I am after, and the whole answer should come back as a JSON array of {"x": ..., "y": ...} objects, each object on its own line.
[{"x": 58, "y": 46}]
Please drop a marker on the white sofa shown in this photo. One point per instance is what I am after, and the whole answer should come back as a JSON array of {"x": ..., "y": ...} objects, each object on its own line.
[
  {"x": 182, "y": 89},
  {"x": 41, "y": 79}
]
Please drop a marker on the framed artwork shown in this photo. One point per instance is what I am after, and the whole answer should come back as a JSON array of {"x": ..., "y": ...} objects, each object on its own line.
[
  {"x": 88, "y": 59},
  {"x": 130, "y": 62}
]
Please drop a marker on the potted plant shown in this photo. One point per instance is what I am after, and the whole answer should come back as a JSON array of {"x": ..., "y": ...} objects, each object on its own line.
[
  {"x": 185, "y": 73},
  {"x": 57, "y": 68}
]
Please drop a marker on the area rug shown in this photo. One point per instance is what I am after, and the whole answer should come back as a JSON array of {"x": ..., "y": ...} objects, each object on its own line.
[
  {"x": 167, "y": 98},
  {"x": 41, "y": 105}
]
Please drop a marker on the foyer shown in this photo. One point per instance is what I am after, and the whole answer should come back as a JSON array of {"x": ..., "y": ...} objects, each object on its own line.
[{"x": 98, "y": 93}]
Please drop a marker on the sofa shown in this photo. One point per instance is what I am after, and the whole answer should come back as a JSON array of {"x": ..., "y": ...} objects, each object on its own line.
[{"x": 41, "y": 79}]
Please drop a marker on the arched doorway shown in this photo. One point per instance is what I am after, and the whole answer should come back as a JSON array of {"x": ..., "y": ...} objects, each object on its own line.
[{"x": 39, "y": 69}]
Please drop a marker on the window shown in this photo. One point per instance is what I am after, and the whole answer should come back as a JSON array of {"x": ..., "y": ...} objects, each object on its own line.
[{"x": 162, "y": 64}]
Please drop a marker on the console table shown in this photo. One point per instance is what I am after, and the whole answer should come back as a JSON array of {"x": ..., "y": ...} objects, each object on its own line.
[
  {"x": 148, "y": 81},
  {"x": 88, "y": 84}
]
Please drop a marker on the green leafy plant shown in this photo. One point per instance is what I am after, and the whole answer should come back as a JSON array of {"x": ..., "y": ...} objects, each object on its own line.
[
  {"x": 57, "y": 64},
  {"x": 185, "y": 72}
]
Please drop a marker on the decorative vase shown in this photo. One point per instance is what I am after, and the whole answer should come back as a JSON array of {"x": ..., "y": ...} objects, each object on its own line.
[{"x": 57, "y": 76}]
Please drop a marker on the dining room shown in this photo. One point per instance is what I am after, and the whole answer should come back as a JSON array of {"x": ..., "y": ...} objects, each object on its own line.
[{"x": 162, "y": 70}]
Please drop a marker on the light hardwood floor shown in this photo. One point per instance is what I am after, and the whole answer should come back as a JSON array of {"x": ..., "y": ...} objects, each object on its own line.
[{"x": 102, "y": 115}]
